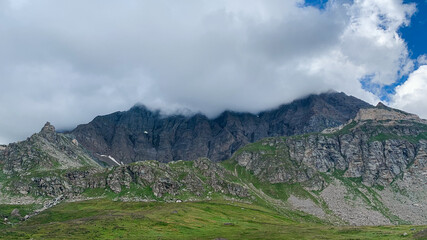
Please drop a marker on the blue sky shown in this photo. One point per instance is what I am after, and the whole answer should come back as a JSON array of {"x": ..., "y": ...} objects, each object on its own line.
[
  {"x": 316, "y": 3},
  {"x": 68, "y": 61},
  {"x": 415, "y": 36}
]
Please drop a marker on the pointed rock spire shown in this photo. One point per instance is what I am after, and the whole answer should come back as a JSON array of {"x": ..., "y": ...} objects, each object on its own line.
[
  {"x": 48, "y": 128},
  {"x": 48, "y": 132}
]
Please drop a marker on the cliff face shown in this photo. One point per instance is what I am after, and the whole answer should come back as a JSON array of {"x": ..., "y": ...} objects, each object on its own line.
[
  {"x": 370, "y": 171},
  {"x": 52, "y": 165},
  {"x": 140, "y": 134}
]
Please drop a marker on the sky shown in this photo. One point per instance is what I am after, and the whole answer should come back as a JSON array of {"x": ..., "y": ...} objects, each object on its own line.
[{"x": 69, "y": 61}]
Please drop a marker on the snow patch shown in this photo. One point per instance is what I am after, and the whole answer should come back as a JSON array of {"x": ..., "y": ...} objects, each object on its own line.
[{"x": 112, "y": 159}]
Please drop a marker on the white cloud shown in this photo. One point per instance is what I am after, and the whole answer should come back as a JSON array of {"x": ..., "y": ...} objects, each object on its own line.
[
  {"x": 411, "y": 96},
  {"x": 68, "y": 61},
  {"x": 422, "y": 59}
]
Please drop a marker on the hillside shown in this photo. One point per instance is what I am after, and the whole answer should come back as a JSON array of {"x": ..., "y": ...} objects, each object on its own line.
[
  {"x": 105, "y": 219},
  {"x": 369, "y": 171}
]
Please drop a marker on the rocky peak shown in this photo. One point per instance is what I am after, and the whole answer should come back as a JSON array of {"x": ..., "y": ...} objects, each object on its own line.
[
  {"x": 48, "y": 132},
  {"x": 383, "y": 113},
  {"x": 381, "y": 105},
  {"x": 48, "y": 128}
]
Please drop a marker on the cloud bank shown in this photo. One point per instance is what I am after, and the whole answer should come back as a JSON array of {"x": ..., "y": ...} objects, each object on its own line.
[
  {"x": 68, "y": 61},
  {"x": 411, "y": 95}
]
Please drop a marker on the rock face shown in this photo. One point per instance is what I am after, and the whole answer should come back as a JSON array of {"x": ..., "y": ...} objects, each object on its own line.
[
  {"x": 157, "y": 180},
  {"x": 44, "y": 151},
  {"x": 384, "y": 113},
  {"x": 375, "y": 152},
  {"x": 370, "y": 171},
  {"x": 140, "y": 134}
]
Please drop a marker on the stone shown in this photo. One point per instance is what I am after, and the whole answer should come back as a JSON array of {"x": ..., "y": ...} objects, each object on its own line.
[{"x": 15, "y": 213}]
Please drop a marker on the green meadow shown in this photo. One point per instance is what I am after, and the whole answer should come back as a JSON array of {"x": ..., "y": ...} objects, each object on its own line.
[{"x": 107, "y": 219}]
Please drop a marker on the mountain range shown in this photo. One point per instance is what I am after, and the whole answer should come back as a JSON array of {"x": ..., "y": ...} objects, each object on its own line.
[
  {"x": 330, "y": 156},
  {"x": 140, "y": 134}
]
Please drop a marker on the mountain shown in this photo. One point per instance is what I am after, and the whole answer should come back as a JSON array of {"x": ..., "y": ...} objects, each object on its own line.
[
  {"x": 45, "y": 151},
  {"x": 371, "y": 170},
  {"x": 140, "y": 134},
  {"x": 47, "y": 154}
]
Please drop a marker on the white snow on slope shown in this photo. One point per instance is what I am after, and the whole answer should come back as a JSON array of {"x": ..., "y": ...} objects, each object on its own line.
[{"x": 112, "y": 159}]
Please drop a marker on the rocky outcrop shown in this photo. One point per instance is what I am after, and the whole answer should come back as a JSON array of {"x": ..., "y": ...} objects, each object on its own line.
[
  {"x": 367, "y": 172},
  {"x": 164, "y": 180},
  {"x": 384, "y": 113},
  {"x": 140, "y": 134},
  {"x": 45, "y": 151},
  {"x": 375, "y": 152},
  {"x": 371, "y": 170}
]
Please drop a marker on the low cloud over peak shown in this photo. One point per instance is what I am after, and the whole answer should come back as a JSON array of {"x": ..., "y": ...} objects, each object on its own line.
[{"x": 69, "y": 61}]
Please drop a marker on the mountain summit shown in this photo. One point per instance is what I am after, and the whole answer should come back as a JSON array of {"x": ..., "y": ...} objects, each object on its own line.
[{"x": 140, "y": 134}]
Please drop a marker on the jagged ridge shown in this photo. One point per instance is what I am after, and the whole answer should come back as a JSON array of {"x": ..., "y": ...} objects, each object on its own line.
[
  {"x": 140, "y": 134},
  {"x": 359, "y": 174}
]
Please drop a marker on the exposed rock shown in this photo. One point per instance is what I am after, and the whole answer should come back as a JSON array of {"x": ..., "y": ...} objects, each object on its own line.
[
  {"x": 355, "y": 212},
  {"x": 370, "y": 171},
  {"x": 356, "y": 151},
  {"x": 140, "y": 134},
  {"x": 382, "y": 113},
  {"x": 48, "y": 132},
  {"x": 306, "y": 205},
  {"x": 15, "y": 213},
  {"x": 45, "y": 151}
]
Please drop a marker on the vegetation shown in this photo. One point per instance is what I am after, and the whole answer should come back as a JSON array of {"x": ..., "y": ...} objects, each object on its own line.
[
  {"x": 106, "y": 219},
  {"x": 6, "y": 210},
  {"x": 387, "y": 136},
  {"x": 264, "y": 214},
  {"x": 369, "y": 195}
]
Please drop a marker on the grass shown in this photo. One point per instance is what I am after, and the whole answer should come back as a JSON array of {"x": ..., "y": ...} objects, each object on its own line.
[
  {"x": 106, "y": 219},
  {"x": 346, "y": 129},
  {"x": 277, "y": 191},
  {"x": 6, "y": 210},
  {"x": 260, "y": 146}
]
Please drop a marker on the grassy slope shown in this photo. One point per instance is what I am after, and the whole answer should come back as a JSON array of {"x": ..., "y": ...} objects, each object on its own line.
[{"x": 106, "y": 219}]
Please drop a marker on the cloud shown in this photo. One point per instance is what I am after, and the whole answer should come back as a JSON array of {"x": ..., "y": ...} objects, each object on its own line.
[
  {"x": 422, "y": 59},
  {"x": 411, "y": 96},
  {"x": 68, "y": 61}
]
